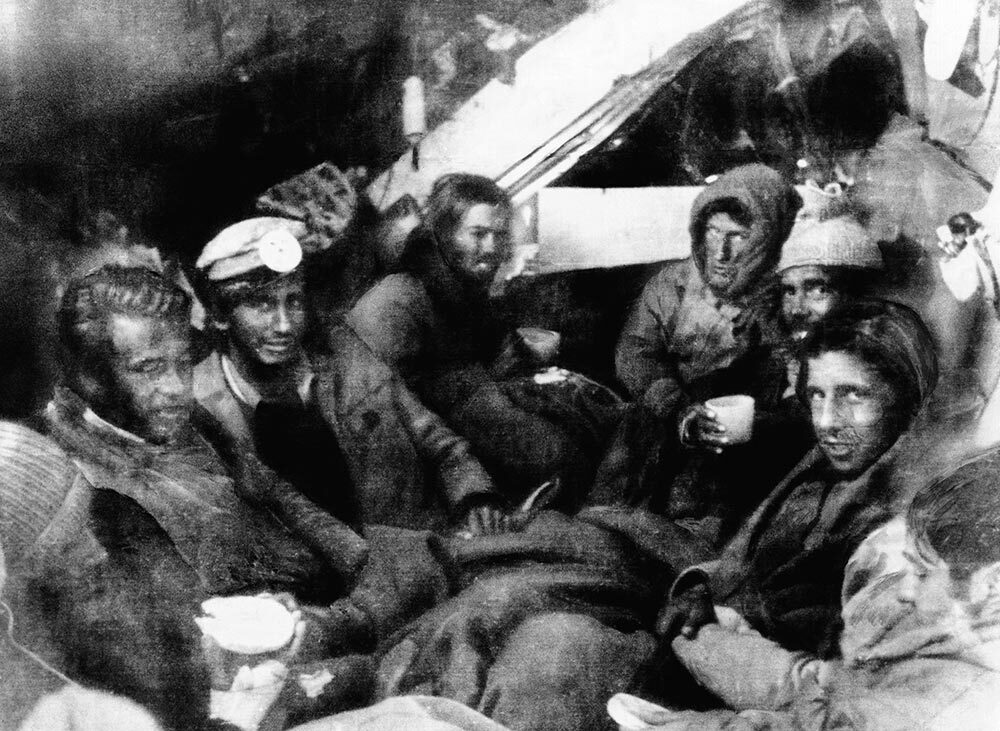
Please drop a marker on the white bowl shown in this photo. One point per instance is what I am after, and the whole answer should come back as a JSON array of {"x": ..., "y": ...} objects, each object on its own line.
[{"x": 248, "y": 625}]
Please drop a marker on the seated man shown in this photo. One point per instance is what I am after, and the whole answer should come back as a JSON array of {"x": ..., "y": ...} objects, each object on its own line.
[
  {"x": 335, "y": 422},
  {"x": 697, "y": 331},
  {"x": 123, "y": 413},
  {"x": 865, "y": 373},
  {"x": 694, "y": 472},
  {"x": 435, "y": 323},
  {"x": 920, "y": 645},
  {"x": 699, "y": 315}
]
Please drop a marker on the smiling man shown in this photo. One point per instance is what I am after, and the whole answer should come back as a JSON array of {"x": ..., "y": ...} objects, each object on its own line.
[
  {"x": 124, "y": 413},
  {"x": 335, "y": 422},
  {"x": 823, "y": 264}
]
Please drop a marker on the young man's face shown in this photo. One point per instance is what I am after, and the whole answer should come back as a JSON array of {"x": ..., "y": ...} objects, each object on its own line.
[
  {"x": 728, "y": 248},
  {"x": 480, "y": 243},
  {"x": 807, "y": 296},
  {"x": 267, "y": 327},
  {"x": 149, "y": 378},
  {"x": 852, "y": 410}
]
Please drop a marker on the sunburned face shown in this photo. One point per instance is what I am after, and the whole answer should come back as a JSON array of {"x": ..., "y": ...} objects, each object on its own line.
[
  {"x": 852, "y": 408},
  {"x": 728, "y": 249},
  {"x": 150, "y": 371},
  {"x": 267, "y": 328},
  {"x": 806, "y": 298},
  {"x": 480, "y": 243}
]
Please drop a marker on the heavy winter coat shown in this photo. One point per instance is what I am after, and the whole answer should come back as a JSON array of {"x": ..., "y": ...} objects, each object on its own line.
[
  {"x": 679, "y": 330},
  {"x": 443, "y": 338},
  {"x": 408, "y": 469},
  {"x": 898, "y": 671},
  {"x": 783, "y": 569}
]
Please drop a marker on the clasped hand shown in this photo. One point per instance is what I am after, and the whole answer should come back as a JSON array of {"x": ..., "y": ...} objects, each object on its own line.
[{"x": 699, "y": 427}]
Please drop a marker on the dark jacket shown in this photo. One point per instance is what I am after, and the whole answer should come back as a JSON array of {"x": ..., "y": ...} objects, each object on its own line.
[
  {"x": 442, "y": 337},
  {"x": 187, "y": 491},
  {"x": 647, "y": 466},
  {"x": 408, "y": 469},
  {"x": 784, "y": 568},
  {"x": 179, "y": 517}
]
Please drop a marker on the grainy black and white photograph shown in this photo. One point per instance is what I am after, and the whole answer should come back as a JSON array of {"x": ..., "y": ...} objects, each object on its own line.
[{"x": 499, "y": 365}]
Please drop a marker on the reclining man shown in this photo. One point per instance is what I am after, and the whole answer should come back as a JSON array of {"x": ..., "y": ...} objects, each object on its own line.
[
  {"x": 868, "y": 372},
  {"x": 920, "y": 644},
  {"x": 865, "y": 380},
  {"x": 335, "y": 422}
]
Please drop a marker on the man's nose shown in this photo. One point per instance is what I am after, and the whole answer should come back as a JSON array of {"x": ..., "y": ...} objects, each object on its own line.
[
  {"x": 282, "y": 320},
  {"x": 725, "y": 251},
  {"x": 796, "y": 304},
  {"x": 488, "y": 244},
  {"x": 174, "y": 383},
  {"x": 828, "y": 414}
]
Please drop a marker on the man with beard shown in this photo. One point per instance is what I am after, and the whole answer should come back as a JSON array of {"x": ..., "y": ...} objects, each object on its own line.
[
  {"x": 434, "y": 322},
  {"x": 824, "y": 264}
]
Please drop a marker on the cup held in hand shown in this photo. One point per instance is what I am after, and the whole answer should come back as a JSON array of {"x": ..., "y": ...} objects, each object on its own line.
[
  {"x": 241, "y": 632},
  {"x": 736, "y": 414}
]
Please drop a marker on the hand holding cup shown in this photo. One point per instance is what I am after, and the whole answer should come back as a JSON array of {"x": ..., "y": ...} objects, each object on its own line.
[{"x": 719, "y": 423}]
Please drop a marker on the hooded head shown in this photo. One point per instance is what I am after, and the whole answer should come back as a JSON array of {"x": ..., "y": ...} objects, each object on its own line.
[{"x": 738, "y": 224}]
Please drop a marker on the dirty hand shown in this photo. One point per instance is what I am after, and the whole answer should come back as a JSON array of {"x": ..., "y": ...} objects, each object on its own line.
[
  {"x": 699, "y": 427},
  {"x": 686, "y": 613},
  {"x": 486, "y": 519}
]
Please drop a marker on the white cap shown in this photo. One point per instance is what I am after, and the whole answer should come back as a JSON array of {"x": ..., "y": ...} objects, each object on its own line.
[
  {"x": 266, "y": 242},
  {"x": 839, "y": 242}
]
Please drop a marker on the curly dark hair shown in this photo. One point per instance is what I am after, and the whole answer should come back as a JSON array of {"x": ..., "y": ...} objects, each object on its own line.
[{"x": 90, "y": 301}]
